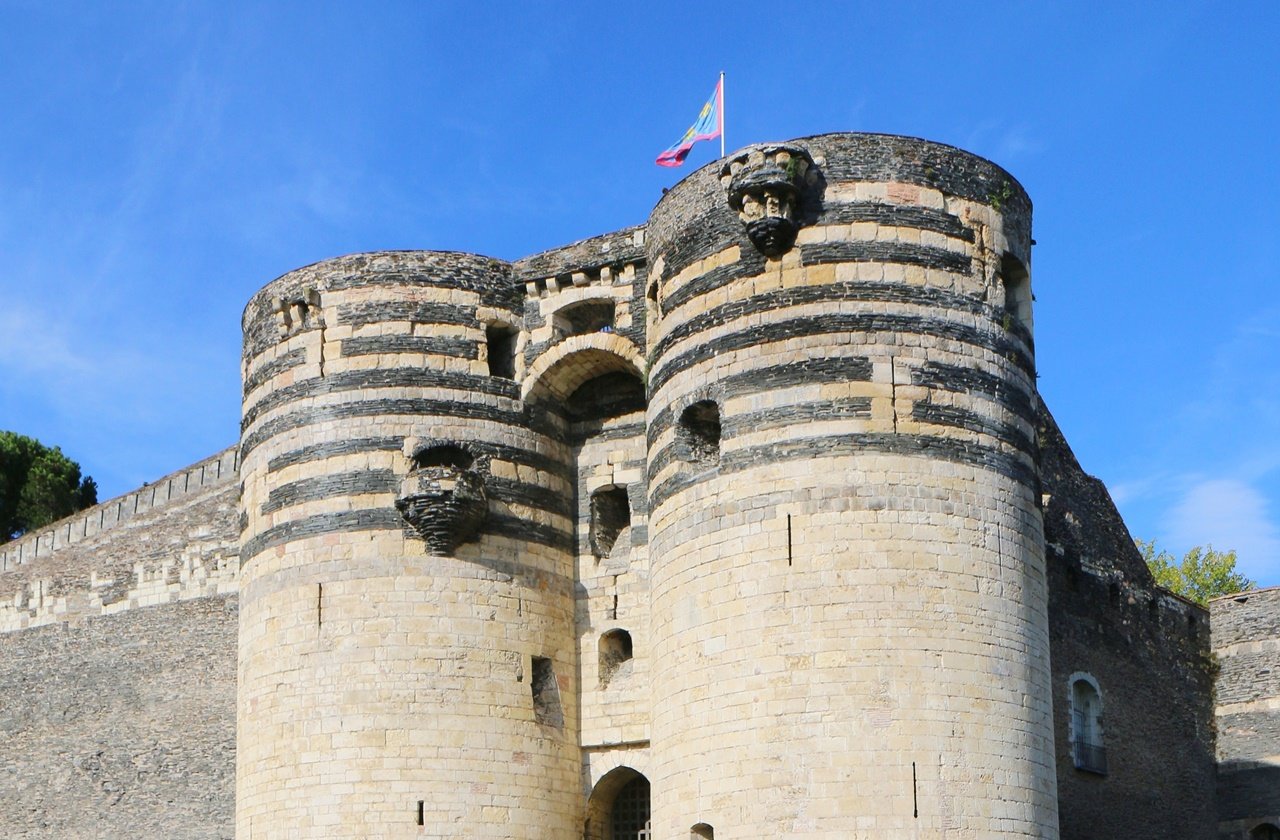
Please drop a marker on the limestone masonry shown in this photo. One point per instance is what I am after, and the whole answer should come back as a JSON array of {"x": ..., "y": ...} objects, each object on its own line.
[{"x": 745, "y": 522}]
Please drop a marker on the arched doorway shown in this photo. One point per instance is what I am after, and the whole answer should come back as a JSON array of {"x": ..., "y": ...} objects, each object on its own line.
[{"x": 619, "y": 806}]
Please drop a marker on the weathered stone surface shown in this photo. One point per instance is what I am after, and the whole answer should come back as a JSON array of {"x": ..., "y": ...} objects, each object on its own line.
[
  {"x": 857, "y": 580},
  {"x": 117, "y": 669},
  {"x": 1246, "y": 642}
]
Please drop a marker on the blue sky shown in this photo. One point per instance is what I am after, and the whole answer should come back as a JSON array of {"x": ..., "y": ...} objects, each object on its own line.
[{"x": 159, "y": 162}]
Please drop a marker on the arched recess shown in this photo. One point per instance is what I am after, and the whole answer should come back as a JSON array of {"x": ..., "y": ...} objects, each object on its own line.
[
  {"x": 1084, "y": 723},
  {"x": 1265, "y": 831},
  {"x": 560, "y": 371},
  {"x": 619, "y": 806}
]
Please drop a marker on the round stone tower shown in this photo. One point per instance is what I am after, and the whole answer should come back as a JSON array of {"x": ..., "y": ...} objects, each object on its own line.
[
  {"x": 848, "y": 587},
  {"x": 406, "y": 586}
]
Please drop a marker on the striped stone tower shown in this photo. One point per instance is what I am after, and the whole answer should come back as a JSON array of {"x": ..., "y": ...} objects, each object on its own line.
[
  {"x": 848, "y": 589},
  {"x": 406, "y": 642}
]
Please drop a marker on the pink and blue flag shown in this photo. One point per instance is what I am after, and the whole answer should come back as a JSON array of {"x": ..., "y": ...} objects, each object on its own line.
[{"x": 709, "y": 126}]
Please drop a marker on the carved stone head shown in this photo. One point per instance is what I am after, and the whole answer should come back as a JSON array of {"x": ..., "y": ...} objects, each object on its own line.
[{"x": 766, "y": 186}]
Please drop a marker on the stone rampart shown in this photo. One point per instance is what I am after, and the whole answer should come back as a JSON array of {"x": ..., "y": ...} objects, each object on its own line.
[
  {"x": 175, "y": 539},
  {"x": 212, "y": 471},
  {"x": 117, "y": 665}
]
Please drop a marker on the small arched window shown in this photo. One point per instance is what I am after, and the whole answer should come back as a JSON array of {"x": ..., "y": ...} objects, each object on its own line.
[
  {"x": 1087, "y": 750},
  {"x": 610, "y": 516},
  {"x": 699, "y": 433},
  {"x": 444, "y": 455},
  {"x": 615, "y": 651},
  {"x": 501, "y": 340},
  {"x": 702, "y": 831},
  {"x": 585, "y": 317},
  {"x": 1017, "y": 289}
]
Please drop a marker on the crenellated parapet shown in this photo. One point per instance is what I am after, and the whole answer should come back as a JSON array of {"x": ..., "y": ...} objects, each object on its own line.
[{"x": 176, "y": 539}]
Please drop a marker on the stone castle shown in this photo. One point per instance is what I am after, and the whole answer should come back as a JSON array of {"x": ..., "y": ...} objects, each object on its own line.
[{"x": 745, "y": 522}]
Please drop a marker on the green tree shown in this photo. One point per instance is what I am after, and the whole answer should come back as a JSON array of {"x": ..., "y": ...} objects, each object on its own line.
[
  {"x": 38, "y": 485},
  {"x": 1201, "y": 574}
]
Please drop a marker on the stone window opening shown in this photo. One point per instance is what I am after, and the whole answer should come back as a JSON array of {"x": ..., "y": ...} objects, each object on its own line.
[
  {"x": 500, "y": 340},
  {"x": 702, "y": 831},
  {"x": 1016, "y": 283},
  {"x": 699, "y": 433},
  {"x": 585, "y": 317},
  {"x": 615, "y": 652},
  {"x": 610, "y": 516},
  {"x": 445, "y": 455},
  {"x": 1085, "y": 725},
  {"x": 546, "y": 694}
]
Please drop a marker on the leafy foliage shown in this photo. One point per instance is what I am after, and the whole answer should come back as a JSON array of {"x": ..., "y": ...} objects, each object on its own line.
[
  {"x": 1201, "y": 574},
  {"x": 38, "y": 485}
]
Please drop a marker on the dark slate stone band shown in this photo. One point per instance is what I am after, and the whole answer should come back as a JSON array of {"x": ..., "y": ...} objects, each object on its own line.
[
  {"x": 896, "y": 215},
  {"x": 797, "y": 415},
  {"x": 276, "y": 366},
  {"x": 424, "y": 408},
  {"x": 384, "y": 481},
  {"x": 334, "y": 449},
  {"x": 388, "y": 519},
  {"x": 818, "y": 371},
  {"x": 857, "y": 322},
  {"x": 594, "y": 430},
  {"x": 501, "y": 452},
  {"x": 361, "y": 380},
  {"x": 378, "y": 312},
  {"x": 948, "y": 449},
  {"x": 530, "y": 495},
  {"x": 751, "y": 264},
  {"x": 431, "y": 345},
  {"x": 969, "y": 381},
  {"x": 329, "y": 486},
  {"x": 963, "y": 418},
  {"x": 377, "y": 519},
  {"x": 842, "y": 292},
  {"x": 895, "y": 253}
]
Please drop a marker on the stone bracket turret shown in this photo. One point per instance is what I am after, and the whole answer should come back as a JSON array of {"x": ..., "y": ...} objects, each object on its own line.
[{"x": 443, "y": 497}]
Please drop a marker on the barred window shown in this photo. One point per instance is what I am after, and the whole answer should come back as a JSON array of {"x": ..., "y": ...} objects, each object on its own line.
[{"x": 1087, "y": 750}]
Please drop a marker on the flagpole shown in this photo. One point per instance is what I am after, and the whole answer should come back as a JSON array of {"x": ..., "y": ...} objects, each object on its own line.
[{"x": 721, "y": 113}]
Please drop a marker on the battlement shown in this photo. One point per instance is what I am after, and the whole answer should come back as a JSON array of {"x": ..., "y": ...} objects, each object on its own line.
[
  {"x": 215, "y": 469},
  {"x": 166, "y": 541}
]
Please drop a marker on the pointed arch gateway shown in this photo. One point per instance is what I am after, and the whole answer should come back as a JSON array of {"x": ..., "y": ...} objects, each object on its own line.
[{"x": 619, "y": 806}]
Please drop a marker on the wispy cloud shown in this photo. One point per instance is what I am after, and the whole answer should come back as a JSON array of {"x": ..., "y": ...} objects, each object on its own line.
[
  {"x": 1004, "y": 142},
  {"x": 1229, "y": 514}
]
